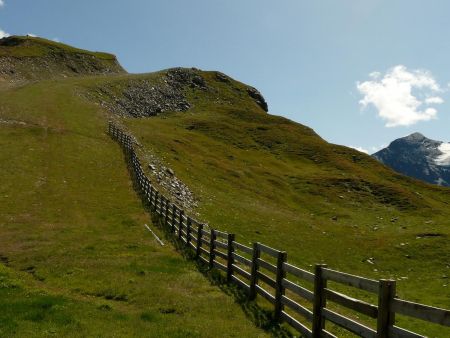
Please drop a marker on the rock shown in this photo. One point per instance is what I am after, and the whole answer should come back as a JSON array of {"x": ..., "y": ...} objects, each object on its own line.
[
  {"x": 141, "y": 98},
  {"x": 171, "y": 185},
  {"x": 180, "y": 77},
  {"x": 259, "y": 99},
  {"x": 222, "y": 77},
  {"x": 370, "y": 260}
]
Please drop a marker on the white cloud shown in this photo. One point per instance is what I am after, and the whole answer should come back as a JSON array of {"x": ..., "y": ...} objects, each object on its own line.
[
  {"x": 56, "y": 40},
  {"x": 361, "y": 149},
  {"x": 444, "y": 158},
  {"x": 2, "y": 3},
  {"x": 392, "y": 95},
  {"x": 434, "y": 100},
  {"x": 32, "y": 35},
  {"x": 3, "y": 34}
]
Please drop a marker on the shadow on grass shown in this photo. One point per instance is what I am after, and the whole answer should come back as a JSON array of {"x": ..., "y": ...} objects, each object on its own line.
[{"x": 262, "y": 318}]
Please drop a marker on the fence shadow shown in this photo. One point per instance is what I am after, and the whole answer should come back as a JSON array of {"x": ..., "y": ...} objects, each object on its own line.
[
  {"x": 198, "y": 238},
  {"x": 262, "y": 318}
]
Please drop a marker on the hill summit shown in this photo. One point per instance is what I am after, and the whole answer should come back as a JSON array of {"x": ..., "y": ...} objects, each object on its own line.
[{"x": 33, "y": 58}]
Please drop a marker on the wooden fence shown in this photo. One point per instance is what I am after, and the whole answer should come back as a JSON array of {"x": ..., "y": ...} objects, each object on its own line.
[{"x": 262, "y": 270}]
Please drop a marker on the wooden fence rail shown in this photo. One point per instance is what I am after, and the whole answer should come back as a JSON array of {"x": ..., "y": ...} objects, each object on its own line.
[{"x": 249, "y": 269}]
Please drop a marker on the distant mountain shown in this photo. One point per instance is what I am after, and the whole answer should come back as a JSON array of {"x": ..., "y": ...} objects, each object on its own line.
[{"x": 419, "y": 157}]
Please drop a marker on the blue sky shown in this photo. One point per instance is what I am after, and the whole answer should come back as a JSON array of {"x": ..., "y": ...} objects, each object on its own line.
[{"x": 310, "y": 59}]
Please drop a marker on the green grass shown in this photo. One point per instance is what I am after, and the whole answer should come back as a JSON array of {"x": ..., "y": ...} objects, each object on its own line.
[
  {"x": 72, "y": 232},
  {"x": 34, "y": 59},
  {"x": 76, "y": 259},
  {"x": 268, "y": 179},
  {"x": 27, "y": 46}
]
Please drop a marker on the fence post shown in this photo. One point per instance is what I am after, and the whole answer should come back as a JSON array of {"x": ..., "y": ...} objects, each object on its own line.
[
  {"x": 253, "y": 276},
  {"x": 280, "y": 290},
  {"x": 166, "y": 219},
  {"x": 156, "y": 201},
  {"x": 163, "y": 208},
  {"x": 180, "y": 224},
  {"x": 319, "y": 301},
  {"x": 174, "y": 210},
  {"x": 188, "y": 231},
  {"x": 150, "y": 196},
  {"x": 211, "y": 248},
  {"x": 199, "y": 240},
  {"x": 230, "y": 258},
  {"x": 386, "y": 318},
  {"x": 145, "y": 189}
]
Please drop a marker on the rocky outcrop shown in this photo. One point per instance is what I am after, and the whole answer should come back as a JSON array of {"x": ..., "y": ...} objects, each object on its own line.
[
  {"x": 142, "y": 98},
  {"x": 165, "y": 177},
  {"x": 168, "y": 92},
  {"x": 259, "y": 99}
]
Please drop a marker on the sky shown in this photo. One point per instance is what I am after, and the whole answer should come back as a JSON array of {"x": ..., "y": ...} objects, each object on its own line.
[{"x": 361, "y": 73}]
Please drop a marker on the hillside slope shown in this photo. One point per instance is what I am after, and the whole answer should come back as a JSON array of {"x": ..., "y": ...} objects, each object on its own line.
[
  {"x": 271, "y": 180},
  {"x": 76, "y": 257},
  {"x": 31, "y": 58}
]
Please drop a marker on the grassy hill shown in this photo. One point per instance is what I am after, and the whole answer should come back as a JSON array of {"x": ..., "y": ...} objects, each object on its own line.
[
  {"x": 271, "y": 180},
  {"x": 76, "y": 258},
  {"x": 25, "y": 58}
]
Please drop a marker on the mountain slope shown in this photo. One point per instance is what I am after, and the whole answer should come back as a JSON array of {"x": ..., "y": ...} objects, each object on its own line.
[
  {"x": 271, "y": 180},
  {"x": 71, "y": 226},
  {"x": 419, "y": 157},
  {"x": 75, "y": 257},
  {"x": 32, "y": 58}
]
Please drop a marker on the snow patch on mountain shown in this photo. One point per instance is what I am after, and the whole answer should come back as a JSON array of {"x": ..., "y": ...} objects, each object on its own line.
[{"x": 444, "y": 158}]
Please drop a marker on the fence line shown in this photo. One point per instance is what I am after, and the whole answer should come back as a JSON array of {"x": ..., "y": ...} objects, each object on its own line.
[{"x": 249, "y": 269}]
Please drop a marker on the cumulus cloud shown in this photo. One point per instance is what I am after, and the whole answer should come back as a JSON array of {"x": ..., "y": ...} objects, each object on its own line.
[
  {"x": 444, "y": 158},
  {"x": 434, "y": 100},
  {"x": 3, "y": 34},
  {"x": 401, "y": 97}
]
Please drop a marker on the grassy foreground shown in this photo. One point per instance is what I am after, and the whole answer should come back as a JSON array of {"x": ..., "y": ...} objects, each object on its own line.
[
  {"x": 270, "y": 180},
  {"x": 75, "y": 258}
]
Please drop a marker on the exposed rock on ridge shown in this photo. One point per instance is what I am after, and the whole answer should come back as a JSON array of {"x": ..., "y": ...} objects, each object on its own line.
[
  {"x": 141, "y": 98},
  {"x": 259, "y": 99},
  {"x": 145, "y": 98}
]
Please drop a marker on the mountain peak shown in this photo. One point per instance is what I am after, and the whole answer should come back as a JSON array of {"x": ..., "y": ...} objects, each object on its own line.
[
  {"x": 415, "y": 137},
  {"x": 418, "y": 156}
]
